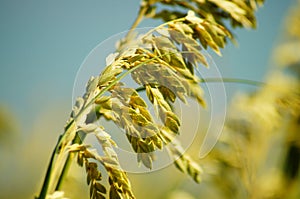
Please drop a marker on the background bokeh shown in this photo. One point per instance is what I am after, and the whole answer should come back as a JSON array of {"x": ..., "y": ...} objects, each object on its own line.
[{"x": 43, "y": 44}]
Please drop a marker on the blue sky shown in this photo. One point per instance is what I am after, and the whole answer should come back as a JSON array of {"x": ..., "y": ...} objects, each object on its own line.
[{"x": 43, "y": 44}]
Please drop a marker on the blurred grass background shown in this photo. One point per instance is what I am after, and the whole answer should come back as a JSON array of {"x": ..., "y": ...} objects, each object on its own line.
[{"x": 43, "y": 43}]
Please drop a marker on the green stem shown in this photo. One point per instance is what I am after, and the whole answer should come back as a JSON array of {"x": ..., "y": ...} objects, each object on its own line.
[
  {"x": 46, "y": 182},
  {"x": 245, "y": 81},
  {"x": 224, "y": 80},
  {"x": 232, "y": 80},
  {"x": 77, "y": 140},
  {"x": 64, "y": 171}
]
